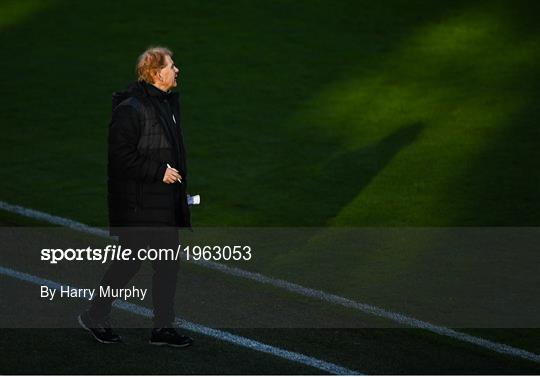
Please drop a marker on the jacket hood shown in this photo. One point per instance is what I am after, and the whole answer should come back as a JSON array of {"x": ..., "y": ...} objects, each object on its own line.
[
  {"x": 135, "y": 89},
  {"x": 139, "y": 89}
]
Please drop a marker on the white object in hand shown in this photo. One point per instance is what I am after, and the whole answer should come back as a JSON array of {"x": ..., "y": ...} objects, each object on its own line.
[
  {"x": 170, "y": 167},
  {"x": 193, "y": 200}
]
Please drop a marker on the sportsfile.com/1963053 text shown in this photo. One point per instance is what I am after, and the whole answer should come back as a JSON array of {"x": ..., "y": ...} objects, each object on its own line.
[{"x": 119, "y": 253}]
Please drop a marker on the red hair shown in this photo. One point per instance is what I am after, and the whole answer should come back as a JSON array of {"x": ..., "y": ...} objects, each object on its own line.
[{"x": 151, "y": 61}]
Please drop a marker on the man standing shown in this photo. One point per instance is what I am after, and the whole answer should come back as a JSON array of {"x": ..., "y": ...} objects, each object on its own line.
[{"x": 147, "y": 180}]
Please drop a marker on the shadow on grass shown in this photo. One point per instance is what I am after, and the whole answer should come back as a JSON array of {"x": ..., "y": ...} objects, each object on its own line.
[{"x": 322, "y": 188}]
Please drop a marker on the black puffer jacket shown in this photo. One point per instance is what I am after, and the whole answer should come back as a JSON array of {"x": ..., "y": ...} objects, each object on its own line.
[{"x": 141, "y": 143}]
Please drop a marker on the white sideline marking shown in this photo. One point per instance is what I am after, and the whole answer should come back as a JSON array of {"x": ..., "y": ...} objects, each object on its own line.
[
  {"x": 304, "y": 291},
  {"x": 374, "y": 310},
  {"x": 51, "y": 219},
  {"x": 208, "y": 331}
]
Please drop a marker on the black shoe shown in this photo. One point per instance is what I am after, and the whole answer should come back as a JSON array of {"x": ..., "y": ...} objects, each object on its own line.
[
  {"x": 167, "y": 336},
  {"x": 100, "y": 330}
]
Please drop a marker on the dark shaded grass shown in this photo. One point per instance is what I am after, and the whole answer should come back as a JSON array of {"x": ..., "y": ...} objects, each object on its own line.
[
  {"x": 390, "y": 351},
  {"x": 72, "y": 351}
]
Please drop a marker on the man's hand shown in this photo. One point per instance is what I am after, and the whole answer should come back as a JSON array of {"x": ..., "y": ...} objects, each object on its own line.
[{"x": 171, "y": 175}]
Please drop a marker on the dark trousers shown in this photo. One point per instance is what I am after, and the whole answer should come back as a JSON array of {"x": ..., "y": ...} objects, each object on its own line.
[{"x": 164, "y": 277}]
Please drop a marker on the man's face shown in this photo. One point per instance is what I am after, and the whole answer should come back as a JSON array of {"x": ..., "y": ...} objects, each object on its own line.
[{"x": 167, "y": 74}]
